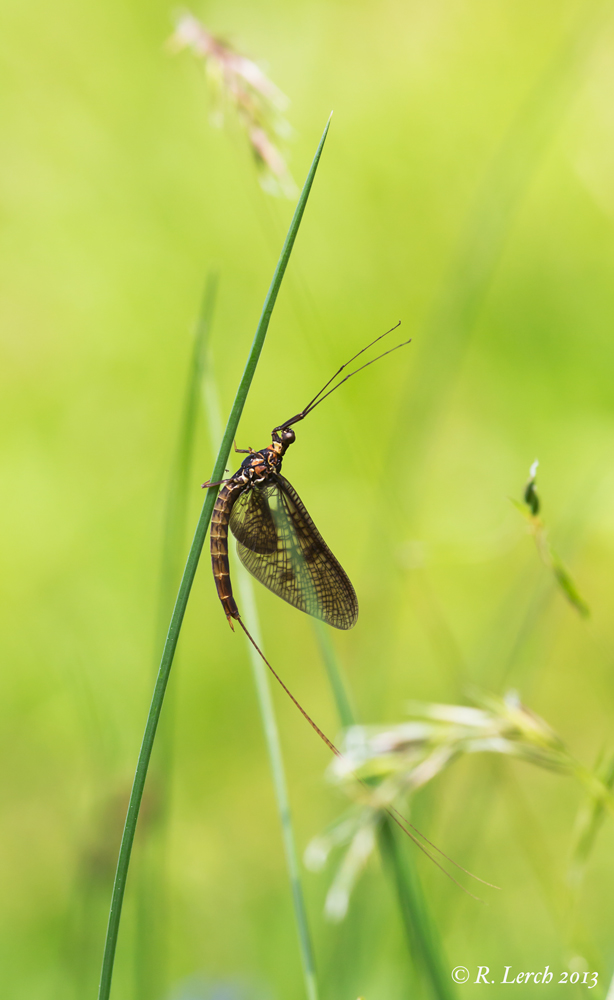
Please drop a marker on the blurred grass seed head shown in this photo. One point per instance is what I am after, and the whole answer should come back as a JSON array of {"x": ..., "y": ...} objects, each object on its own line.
[
  {"x": 403, "y": 758},
  {"x": 379, "y": 765},
  {"x": 237, "y": 82}
]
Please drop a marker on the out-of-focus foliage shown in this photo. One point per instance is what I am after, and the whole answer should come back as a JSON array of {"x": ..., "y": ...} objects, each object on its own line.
[{"x": 465, "y": 189}]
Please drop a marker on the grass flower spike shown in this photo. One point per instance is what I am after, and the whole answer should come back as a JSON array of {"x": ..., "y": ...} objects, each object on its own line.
[
  {"x": 403, "y": 758},
  {"x": 380, "y": 766},
  {"x": 238, "y": 82}
]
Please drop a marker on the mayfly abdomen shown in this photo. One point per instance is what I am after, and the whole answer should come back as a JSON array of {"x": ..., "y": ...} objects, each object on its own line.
[{"x": 219, "y": 546}]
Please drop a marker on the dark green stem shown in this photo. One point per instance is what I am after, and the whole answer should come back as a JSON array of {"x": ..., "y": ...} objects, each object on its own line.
[
  {"x": 186, "y": 586},
  {"x": 421, "y": 934}
]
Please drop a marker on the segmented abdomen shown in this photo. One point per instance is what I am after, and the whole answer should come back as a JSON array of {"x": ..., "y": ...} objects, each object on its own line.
[{"x": 219, "y": 545}]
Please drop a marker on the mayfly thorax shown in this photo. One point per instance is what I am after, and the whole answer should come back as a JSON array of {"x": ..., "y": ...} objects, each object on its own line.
[{"x": 277, "y": 540}]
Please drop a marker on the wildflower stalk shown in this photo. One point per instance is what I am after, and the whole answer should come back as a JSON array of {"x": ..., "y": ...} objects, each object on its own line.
[
  {"x": 422, "y": 940},
  {"x": 186, "y": 586}
]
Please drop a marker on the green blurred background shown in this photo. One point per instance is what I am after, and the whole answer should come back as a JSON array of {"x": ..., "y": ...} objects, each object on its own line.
[{"x": 467, "y": 188}]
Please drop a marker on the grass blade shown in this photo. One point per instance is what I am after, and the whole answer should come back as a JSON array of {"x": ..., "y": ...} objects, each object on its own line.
[
  {"x": 421, "y": 934},
  {"x": 271, "y": 732},
  {"x": 186, "y": 586},
  {"x": 176, "y": 509},
  {"x": 335, "y": 678}
]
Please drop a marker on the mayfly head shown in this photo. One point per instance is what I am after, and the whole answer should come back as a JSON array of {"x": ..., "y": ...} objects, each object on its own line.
[{"x": 282, "y": 440}]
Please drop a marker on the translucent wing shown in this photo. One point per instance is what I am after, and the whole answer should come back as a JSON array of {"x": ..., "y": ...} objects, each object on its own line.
[
  {"x": 251, "y": 522},
  {"x": 280, "y": 545}
]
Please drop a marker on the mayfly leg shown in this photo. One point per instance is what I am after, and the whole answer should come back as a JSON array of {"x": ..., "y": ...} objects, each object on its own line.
[{"x": 220, "y": 482}]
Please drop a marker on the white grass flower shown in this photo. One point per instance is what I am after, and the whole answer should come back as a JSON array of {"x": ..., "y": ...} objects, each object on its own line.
[{"x": 380, "y": 766}]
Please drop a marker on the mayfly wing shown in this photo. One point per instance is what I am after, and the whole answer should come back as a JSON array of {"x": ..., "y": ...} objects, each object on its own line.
[
  {"x": 251, "y": 521},
  {"x": 300, "y": 568}
]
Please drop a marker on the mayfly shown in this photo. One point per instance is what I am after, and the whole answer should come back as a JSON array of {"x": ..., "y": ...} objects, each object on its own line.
[
  {"x": 280, "y": 545},
  {"x": 277, "y": 540}
]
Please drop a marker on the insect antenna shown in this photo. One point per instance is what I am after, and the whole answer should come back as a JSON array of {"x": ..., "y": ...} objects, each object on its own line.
[
  {"x": 319, "y": 397},
  {"x": 357, "y": 355}
]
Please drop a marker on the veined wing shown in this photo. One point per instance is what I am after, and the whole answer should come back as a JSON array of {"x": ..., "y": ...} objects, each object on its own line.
[
  {"x": 251, "y": 521},
  {"x": 300, "y": 568}
]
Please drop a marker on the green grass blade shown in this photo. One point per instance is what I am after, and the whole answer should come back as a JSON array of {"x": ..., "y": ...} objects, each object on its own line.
[
  {"x": 186, "y": 586},
  {"x": 176, "y": 509},
  {"x": 335, "y": 677},
  {"x": 271, "y": 732},
  {"x": 590, "y": 818},
  {"x": 421, "y": 933}
]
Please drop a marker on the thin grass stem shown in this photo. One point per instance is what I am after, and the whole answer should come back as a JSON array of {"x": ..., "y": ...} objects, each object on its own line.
[
  {"x": 335, "y": 678},
  {"x": 271, "y": 733},
  {"x": 186, "y": 586}
]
